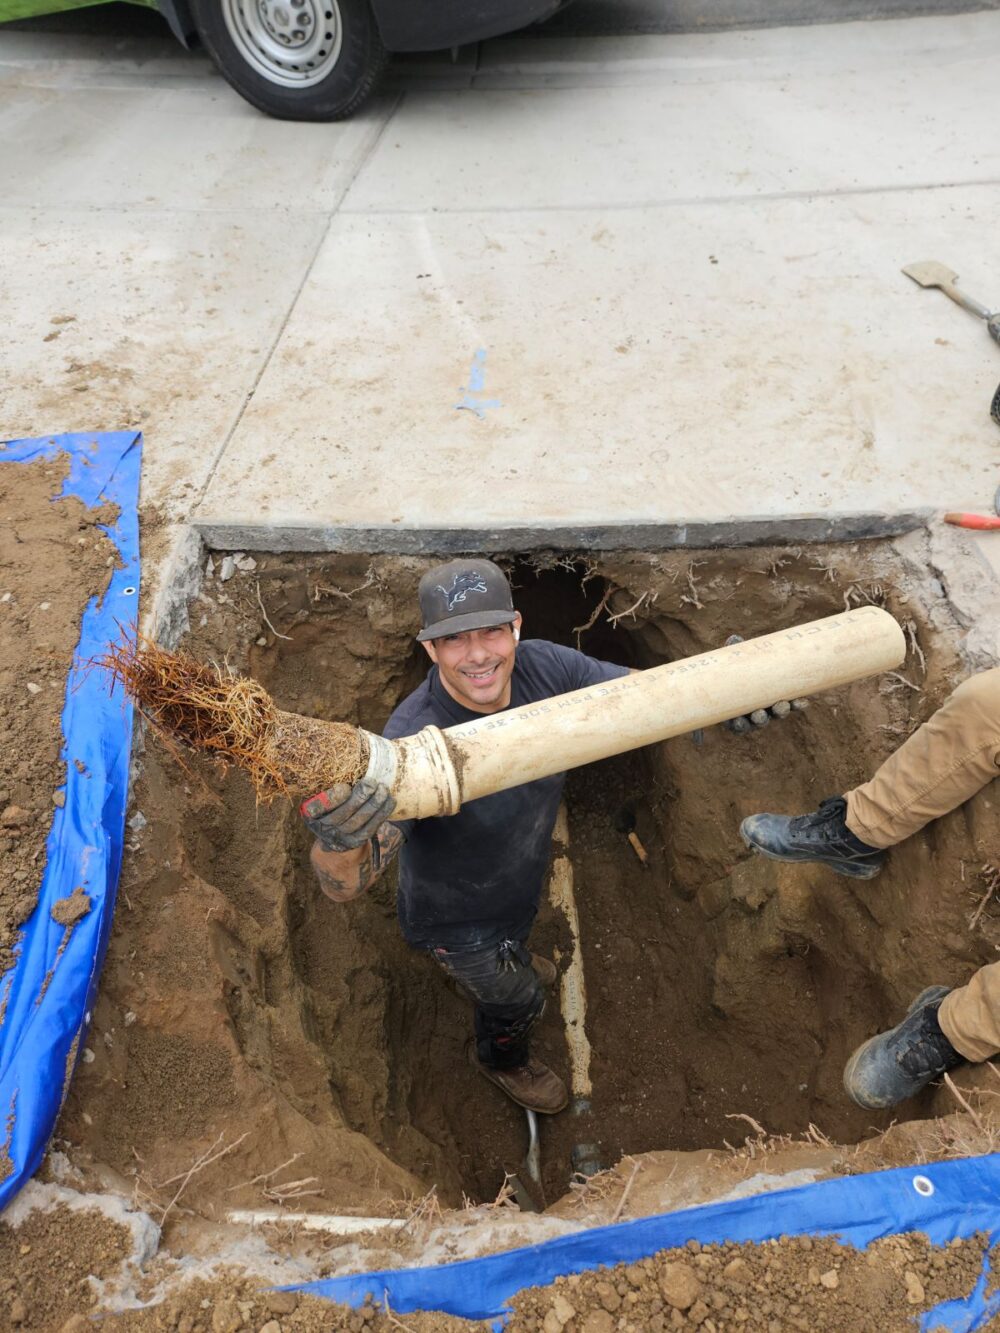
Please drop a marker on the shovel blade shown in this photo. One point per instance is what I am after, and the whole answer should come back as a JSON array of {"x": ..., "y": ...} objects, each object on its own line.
[{"x": 929, "y": 273}]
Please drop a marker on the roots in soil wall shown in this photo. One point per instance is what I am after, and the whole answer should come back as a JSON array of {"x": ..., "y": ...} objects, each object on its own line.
[{"x": 236, "y": 998}]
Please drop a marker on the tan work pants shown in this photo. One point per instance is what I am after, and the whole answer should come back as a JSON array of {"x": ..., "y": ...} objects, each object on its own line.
[{"x": 950, "y": 758}]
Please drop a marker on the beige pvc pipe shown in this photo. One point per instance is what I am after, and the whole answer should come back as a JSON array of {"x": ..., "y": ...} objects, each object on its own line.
[{"x": 435, "y": 772}]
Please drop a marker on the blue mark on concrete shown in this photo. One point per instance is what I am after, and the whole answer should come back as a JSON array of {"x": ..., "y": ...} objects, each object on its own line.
[{"x": 471, "y": 401}]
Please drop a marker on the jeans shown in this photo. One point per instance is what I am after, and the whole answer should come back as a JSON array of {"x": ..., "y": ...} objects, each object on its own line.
[{"x": 508, "y": 996}]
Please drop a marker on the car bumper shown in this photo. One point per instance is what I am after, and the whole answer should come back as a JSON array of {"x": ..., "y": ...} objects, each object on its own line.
[{"x": 432, "y": 25}]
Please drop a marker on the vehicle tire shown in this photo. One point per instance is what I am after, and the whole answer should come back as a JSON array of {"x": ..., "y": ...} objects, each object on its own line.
[{"x": 294, "y": 59}]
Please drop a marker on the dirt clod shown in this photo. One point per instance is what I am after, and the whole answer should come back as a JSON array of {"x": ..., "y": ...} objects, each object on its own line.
[
  {"x": 68, "y": 911},
  {"x": 679, "y": 1285}
]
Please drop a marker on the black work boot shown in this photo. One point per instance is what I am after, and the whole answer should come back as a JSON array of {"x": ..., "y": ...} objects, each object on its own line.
[
  {"x": 895, "y": 1065},
  {"x": 822, "y": 836}
]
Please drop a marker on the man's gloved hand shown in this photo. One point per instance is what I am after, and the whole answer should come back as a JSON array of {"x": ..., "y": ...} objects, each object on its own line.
[
  {"x": 760, "y": 717},
  {"x": 342, "y": 817}
]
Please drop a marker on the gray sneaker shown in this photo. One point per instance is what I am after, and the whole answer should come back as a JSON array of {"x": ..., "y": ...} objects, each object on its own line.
[
  {"x": 821, "y": 836},
  {"x": 895, "y": 1065}
]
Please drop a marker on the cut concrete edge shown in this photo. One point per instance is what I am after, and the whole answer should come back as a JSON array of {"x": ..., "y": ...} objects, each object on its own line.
[
  {"x": 343, "y": 538},
  {"x": 967, "y": 579},
  {"x": 178, "y": 578}
]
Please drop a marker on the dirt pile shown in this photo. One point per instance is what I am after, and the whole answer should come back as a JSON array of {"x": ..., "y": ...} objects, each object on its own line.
[
  {"x": 53, "y": 559},
  {"x": 58, "y": 1267},
  {"x": 47, "y": 1263},
  {"x": 804, "y": 1283}
]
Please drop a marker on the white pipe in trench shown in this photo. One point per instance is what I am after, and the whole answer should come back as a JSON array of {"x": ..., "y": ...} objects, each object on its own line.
[{"x": 435, "y": 772}]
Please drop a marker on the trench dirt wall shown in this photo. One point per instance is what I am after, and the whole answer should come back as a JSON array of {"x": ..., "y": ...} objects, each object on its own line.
[{"x": 237, "y": 1001}]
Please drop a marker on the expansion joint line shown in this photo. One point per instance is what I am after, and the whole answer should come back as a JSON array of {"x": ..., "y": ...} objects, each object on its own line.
[{"x": 364, "y": 157}]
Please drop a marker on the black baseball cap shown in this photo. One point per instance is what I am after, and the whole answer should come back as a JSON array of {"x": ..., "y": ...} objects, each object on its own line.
[{"x": 461, "y": 595}]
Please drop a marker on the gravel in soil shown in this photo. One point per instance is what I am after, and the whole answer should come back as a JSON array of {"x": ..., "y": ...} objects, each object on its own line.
[
  {"x": 46, "y": 1265},
  {"x": 807, "y": 1284}
]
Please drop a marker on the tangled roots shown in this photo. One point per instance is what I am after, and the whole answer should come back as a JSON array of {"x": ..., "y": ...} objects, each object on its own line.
[{"x": 210, "y": 708}]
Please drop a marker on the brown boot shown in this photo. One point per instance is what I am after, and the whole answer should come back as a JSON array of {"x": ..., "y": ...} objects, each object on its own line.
[
  {"x": 545, "y": 971},
  {"x": 533, "y": 1085}
]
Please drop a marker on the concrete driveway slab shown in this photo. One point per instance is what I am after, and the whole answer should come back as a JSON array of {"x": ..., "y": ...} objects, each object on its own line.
[
  {"x": 689, "y": 365},
  {"x": 160, "y": 322},
  {"x": 181, "y": 146},
  {"x": 742, "y": 115}
]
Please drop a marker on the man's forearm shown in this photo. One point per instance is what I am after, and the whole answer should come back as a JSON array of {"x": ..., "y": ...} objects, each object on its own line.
[{"x": 346, "y": 875}]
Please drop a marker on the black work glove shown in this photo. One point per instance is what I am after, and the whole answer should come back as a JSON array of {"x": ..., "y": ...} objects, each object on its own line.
[
  {"x": 760, "y": 717},
  {"x": 342, "y": 817}
]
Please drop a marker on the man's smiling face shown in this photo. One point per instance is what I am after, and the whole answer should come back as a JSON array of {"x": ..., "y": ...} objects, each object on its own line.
[{"x": 476, "y": 665}]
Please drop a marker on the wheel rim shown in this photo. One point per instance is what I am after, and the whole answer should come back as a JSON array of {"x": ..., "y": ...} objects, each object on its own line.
[{"x": 293, "y": 43}]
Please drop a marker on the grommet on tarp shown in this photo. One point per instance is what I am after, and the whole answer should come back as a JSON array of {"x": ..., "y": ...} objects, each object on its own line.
[{"x": 954, "y": 1199}]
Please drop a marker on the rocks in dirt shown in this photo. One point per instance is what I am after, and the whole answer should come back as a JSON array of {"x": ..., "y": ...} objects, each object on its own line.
[
  {"x": 76, "y": 1323},
  {"x": 281, "y": 1302},
  {"x": 15, "y": 817},
  {"x": 68, "y": 911},
  {"x": 18, "y": 1312},
  {"x": 806, "y": 1284},
  {"x": 562, "y": 1309},
  {"x": 679, "y": 1285},
  {"x": 226, "y": 1318},
  {"x": 597, "y": 1321},
  {"x": 229, "y": 564},
  {"x": 59, "y": 799},
  {"x": 914, "y": 1288}
]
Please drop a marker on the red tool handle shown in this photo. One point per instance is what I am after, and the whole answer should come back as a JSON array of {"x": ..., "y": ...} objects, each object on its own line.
[{"x": 981, "y": 522}]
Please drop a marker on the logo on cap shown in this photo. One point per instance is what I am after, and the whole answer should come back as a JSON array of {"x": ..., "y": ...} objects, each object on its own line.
[{"x": 461, "y": 585}]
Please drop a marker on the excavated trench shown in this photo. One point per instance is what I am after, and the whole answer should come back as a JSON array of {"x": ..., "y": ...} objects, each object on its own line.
[{"x": 238, "y": 999}]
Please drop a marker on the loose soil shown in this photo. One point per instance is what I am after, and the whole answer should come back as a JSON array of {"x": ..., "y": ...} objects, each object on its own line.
[
  {"x": 53, "y": 559},
  {"x": 811, "y": 1284},
  {"x": 309, "y": 1058},
  {"x": 805, "y": 1283}
]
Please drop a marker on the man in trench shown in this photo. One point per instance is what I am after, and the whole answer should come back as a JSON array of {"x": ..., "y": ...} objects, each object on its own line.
[
  {"x": 945, "y": 762},
  {"x": 469, "y": 883}
]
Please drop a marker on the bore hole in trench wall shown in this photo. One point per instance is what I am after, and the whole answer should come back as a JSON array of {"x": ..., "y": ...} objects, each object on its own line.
[{"x": 717, "y": 985}]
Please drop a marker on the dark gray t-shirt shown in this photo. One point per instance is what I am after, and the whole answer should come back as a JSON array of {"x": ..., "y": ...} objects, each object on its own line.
[{"x": 472, "y": 879}]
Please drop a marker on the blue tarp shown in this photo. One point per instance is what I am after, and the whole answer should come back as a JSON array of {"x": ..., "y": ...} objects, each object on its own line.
[
  {"x": 46, "y": 996},
  {"x": 44, "y": 1021},
  {"x": 945, "y": 1201}
]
